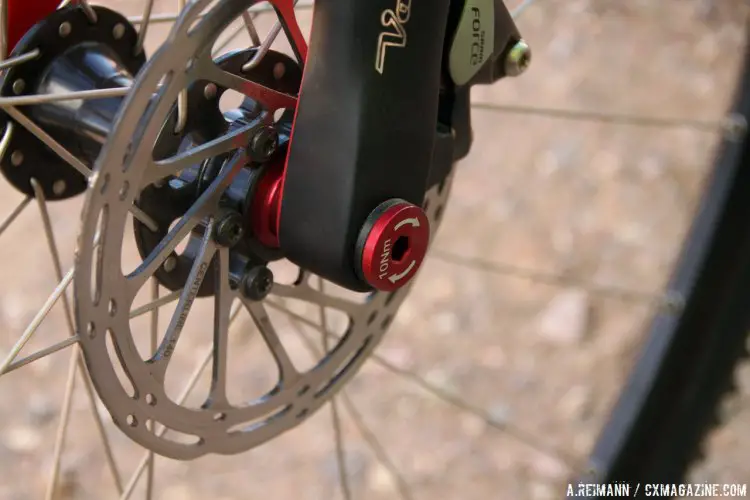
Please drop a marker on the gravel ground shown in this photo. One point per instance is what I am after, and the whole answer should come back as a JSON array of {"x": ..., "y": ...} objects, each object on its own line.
[{"x": 609, "y": 206}]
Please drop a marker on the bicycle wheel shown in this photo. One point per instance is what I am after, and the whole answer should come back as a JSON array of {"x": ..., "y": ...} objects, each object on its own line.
[{"x": 191, "y": 107}]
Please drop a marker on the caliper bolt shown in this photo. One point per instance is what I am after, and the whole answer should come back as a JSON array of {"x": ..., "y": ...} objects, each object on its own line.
[
  {"x": 229, "y": 230},
  {"x": 518, "y": 59},
  {"x": 257, "y": 283},
  {"x": 263, "y": 144}
]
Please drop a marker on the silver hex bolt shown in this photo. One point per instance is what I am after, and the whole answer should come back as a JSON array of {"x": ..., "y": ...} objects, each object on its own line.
[{"x": 518, "y": 59}]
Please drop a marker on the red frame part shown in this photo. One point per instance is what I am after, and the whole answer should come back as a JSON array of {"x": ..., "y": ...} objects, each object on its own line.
[{"x": 23, "y": 14}]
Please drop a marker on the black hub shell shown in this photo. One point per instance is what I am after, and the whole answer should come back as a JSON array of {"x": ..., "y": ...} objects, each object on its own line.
[
  {"x": 88, "y": 57},
  {"x": 205, "y": 121}
]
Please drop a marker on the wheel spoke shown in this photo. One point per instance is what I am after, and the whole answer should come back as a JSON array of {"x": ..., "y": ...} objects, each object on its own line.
[
  {"x": 170, "y": 18},
  {"x": 203, "y": 259},
  {"x": 606, "y": 117},
  {"x": 38, "y": 318},
  {"x": 271, "y": 99},
  {"x": 3, "y": 29},
  {"x": 660, "y": 300},
  {"x": 62, "y": 428},
  {"x": 201, "y": 208},
  {"x": 186, "y": 392},
  {"x": 372, "y": 440},
  {"x": 41, "y": 354},
  {"x": 518, "y": 10},
  {"x": 335, "y": 418},
  {"x": 523, "y": 436},
  {"x": 88, "y": 10},
  {"x": 306, "y": 293},
  {"x": 13, "y": 61},
  {"x": 226, "y": 143},
  {"x": 14, "y": 214},
  {"x": 76, "y": 362},
  {"x": 265, "y": 46},
  {"x": 182, "y": 97},
  {"x": 377, "y": 447},
  {"x": 247, "y": 18},
  {"x": 155, "y": 304},
  {"x": 51, "y": 143},
  {"x": 148, "y": 7},
  {"x": 81, "y": 95}
]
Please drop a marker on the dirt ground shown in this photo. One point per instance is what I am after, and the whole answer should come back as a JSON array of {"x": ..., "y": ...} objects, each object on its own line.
[{"x": 601, "y": 205}]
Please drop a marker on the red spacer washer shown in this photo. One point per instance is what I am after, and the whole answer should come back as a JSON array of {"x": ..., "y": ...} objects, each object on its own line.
[{"x": 393, "y": 244}]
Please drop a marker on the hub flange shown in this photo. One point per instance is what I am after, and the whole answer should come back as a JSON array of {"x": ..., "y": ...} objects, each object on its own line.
[{"x": 74, "y": 55}]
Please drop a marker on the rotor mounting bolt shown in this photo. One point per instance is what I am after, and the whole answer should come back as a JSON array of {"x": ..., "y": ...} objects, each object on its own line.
[
  {"x": 518, "y": 59},
  {"x": 392, "y": 244},
  {"x": 257, "y": 283},
  {"x": 264, "y": 144},
  {"x": 229, "y": 230}
]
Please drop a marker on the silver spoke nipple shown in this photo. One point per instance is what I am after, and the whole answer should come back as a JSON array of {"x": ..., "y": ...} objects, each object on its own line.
[
  {"x": 118, "y": 31},
  {"x": 65, "y": 29},
  {"x": 16, "y": 158}
]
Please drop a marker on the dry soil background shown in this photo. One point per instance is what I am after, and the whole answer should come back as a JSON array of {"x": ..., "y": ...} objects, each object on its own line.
[{"x": 600, "y": 204}]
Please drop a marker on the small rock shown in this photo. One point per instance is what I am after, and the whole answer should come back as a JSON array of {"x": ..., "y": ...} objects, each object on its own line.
[
  {"x": 549, "y": 467},
  {"x": 472, "y": 425},
  {"x": 493, "y": 357},
  {"x": 355, "y": 465},
  {"x": 651, "y": 168},
  {"x": 68, "y": 485},
  {"x": 380, "y": 479},
  {"x": 500, "y": 413},
  {"x": 576, "y": 403},
  {"x": 446, "y": 323},
  {"x": 22, "y": 438},
  {"x": 542, "y": 491},
  {"x": 440, "y": 379},
  {"x": 41, "y": 411},
  {"x": 401, "y": 357},
  {"x": 177, "y": 492},
  {"x": 565, "y": 319}
]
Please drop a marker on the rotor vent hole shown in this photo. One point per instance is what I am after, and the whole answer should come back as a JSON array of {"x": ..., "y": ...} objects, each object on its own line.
[
  {"x": 400, "y": 249},
  {"x": 115, "y": 359},
  {"x": 284, "y": 272},
  {"x": 256, "y": 373},
  {"x": 181, "y": 246},
  {"x": 180, "y": 437},
  {"x": 345, "y": 366},
  {"x": 97, "y": 262},
  {"x": 230, "y": 100}
]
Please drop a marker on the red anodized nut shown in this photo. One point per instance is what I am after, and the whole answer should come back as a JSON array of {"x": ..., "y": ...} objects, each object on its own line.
[{"x": 393, "y": 244}]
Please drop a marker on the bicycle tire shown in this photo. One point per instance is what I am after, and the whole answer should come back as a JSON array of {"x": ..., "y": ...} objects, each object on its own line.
[{"x": 686, "y": 366}]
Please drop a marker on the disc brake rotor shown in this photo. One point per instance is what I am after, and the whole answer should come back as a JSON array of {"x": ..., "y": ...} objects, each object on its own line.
[{"x": 104, "y": 295}]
